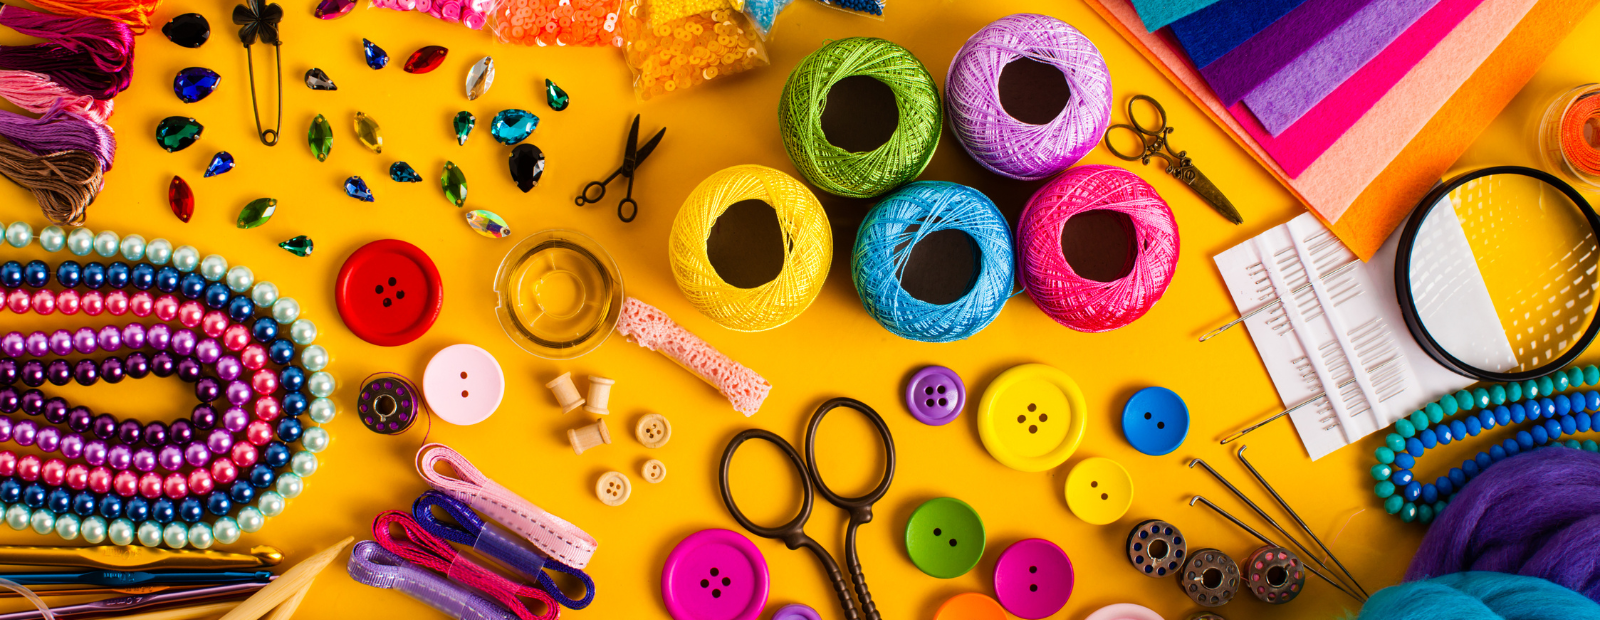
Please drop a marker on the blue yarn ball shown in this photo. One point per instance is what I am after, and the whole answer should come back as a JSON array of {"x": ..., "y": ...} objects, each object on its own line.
[{"x": 886, "y": 239}]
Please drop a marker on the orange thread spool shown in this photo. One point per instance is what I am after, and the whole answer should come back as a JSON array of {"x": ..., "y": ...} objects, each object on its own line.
[{"x": 1579, "y": 151}]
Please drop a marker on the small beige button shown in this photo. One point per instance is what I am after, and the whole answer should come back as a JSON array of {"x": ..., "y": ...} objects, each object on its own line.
[
  {"x": 613, "y": 488},
  {"x": 566, "y": 393},
  {"x": 599, "y": 395},
  {"x": 653, "y": 430},
  {"x": 586, "y": 437},
  {"x": 654, "y": 471}
]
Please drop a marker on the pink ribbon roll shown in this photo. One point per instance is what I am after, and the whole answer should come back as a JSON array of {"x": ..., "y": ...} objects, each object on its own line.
[{"x": 551, "y": 534}]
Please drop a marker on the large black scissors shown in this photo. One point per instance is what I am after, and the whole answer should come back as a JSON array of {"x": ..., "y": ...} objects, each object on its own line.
[
  {"x": 793, "y": 533},
  {"x": 632, "y": 156}
]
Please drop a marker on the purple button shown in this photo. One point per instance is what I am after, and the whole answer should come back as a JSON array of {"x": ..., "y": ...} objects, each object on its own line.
[
  {"x": 715, "y": 575},
  {"x": 796, "y": 612},
  {"x": 1033, "y": 578},
  {"x": 935, "y": 395}
]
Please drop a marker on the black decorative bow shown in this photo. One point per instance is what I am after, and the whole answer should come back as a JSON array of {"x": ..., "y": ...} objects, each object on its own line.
[{"x": 256, "y": 19}]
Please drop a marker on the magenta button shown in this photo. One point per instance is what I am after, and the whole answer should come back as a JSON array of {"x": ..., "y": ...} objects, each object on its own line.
[
  {"x": 1033, "y": 578},
  {"x": 715, "y": 575},
  {"x": 935, "y": 395}
]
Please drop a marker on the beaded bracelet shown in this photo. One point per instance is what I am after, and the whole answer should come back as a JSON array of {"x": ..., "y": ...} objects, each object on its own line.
[
  {"x": 216, "y": 286},
  {"x": 1511, "y": 403}
]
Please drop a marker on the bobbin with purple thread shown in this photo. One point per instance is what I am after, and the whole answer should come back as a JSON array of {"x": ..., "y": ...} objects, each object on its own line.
[{"x": 388, "y": 404}]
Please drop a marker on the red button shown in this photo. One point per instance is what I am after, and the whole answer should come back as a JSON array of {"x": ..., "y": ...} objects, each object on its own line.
[{"x": 389, "y": 293}]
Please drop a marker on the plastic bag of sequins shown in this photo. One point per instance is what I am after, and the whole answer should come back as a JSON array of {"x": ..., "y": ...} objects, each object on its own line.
[
  {"x": 473, "y": 14},
  {"x": 686, "y": 52},
  {"x": 542, "y": 23}
]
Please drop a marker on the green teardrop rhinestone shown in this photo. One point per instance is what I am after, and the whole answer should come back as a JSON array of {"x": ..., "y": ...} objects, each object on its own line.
[
  {"x": 299, "y": 246},
  {"x": 454, "y": 183},
  {"x": 465, "y": 121},
  {"x": 320, "y": 137},
  {"x": 257, "y": 212},
  {"x": 556, "y": 97}
]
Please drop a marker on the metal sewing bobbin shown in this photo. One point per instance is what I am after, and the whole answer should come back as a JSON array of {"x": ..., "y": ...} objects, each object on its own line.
[
  {"x": 566, "y": 393},
  {"x": 388, "y": 404},
  {"x": 1209, "y": 577},
  {"x": 1274, "y": 575},
  {"x": 586, "y": 437},
  {"x": 599, "y": 395},
  {"x": 1156, "y": 548}
]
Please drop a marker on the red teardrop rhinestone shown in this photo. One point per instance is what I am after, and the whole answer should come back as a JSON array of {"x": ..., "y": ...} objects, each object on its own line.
[
  {"x": 180, "y": 199},
  {"x": 426, "y": 59}
]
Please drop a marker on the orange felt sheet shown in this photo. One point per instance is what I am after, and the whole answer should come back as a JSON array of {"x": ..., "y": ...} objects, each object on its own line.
[{"x": 1372, "y": 178}]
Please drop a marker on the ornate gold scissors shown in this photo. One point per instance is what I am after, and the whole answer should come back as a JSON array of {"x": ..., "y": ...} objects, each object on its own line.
[{"x": 1178, "y": 163}]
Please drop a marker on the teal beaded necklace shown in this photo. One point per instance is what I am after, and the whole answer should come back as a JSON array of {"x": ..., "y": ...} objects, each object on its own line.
[{"x": 1498, "y": 404}]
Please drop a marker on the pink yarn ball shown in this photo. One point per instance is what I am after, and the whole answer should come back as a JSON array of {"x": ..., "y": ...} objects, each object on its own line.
[{"x": 1077, "y": 302}]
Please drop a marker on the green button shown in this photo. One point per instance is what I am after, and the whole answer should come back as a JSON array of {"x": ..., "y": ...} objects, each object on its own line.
[{"x": 945, "y": 537}]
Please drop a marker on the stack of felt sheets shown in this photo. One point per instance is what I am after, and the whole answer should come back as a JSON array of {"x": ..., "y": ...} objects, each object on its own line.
[{"x": 1357, "y": 106}]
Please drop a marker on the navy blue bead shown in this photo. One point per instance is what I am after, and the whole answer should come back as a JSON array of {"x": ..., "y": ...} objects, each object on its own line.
[
  {"x": 191, "y": 510},
  {"x": 240, "y": 308},
  {"x": 1563, "y": 406},
  {"x": 1568, "y": 425},
  {"x": 137, "y": 509},
  {"x": 143, "y": 276},
  {"x": 83, "y": 504},
  {"x": 94, "y": 275},
  {"x": 242, "y": 492},
  {"x": 216, "y": 295},
  {"x": 192, "y": 285},
  {"x": 264, "y": 330},
  {"x": 1445, "y": 486},
  {"x": 281, "y": 352},
  {"x": 110, "y": 506},
  {"x": 1513, "y": 447},
  {"x": 10, "y": 491},
  {"x": 11, "y": 274},
  {"x": 289, "y": 430},
  {"x": 33, "y": 495},
  {"x": 1401, "y": 477},
  {"x": 163, "y": 511},
  {"x": 1483, "y": 460},
  {"x": 294, "y": 404},
  {"x": 1458, "y": 429},
  {"x": 1458, "y": 477},
  {"x": 1538, "y": 436},
  {"x": 36, "y": 274},
  {"x": 1525, "y": 439},
  {"x": 275, "y": 455},
  {"x": 1502, "y": 415},
  {"x": 1497, "y": 453},
  {"x": 68, "y": 273},
  {"x": 219, "y": 504},
  {"x": 1473, "y": 426},
  {"x": 167, "y": 279},
  {"x": 260, "y": 476},
  {"x": 1430, "y": 493},
  {"x": 59, "y": 501},
  {"x": 1414, "y": 447},
  {"x": 1412, "y": 491},
  {"x": 1404, "y": 461},
  {"x": 117, "y": 275},
  {"x": 1470, "y": 468},
  {"x": 1428, "y": 438}
]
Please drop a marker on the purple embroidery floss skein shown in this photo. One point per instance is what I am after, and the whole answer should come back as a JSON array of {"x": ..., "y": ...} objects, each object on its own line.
[
  {"x": 58, "y": 131},
  {"x": 996, "y": 138}
]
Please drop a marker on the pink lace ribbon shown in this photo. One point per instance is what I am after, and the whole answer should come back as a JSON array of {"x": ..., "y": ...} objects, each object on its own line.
[
  {"x": 652, "y": 329},
  {"x": 551, "y": 534}
]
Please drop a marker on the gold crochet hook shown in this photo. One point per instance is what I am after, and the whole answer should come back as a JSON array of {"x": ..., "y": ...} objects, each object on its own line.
[
  {"x": 116, "y": 557},
  {"x": 1153, "y": 141}
]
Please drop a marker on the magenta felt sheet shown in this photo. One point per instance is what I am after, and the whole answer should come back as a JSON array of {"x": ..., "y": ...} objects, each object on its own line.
[{"x": 1306, "y": 140}]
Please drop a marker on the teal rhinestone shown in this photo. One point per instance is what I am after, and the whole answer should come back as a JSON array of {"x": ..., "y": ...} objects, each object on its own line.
[
  {"x": 176, "y": 133},
  {"x": 464, "y": 123},
  {"x": 1449, "y": 405},
  {"x": 1463, "y": 401},
  {"x": 1425, "y": 513},
  {"x": 1405, "y": 428},
  {"x": 1383, "y": 488},
  {"x": 1393, "y": 503},
  {"x": 1560, "y": 380},
  {"x": 556, "y": 97},
  {"x": 1381, "y": 473},
  {"x": 301, "y": 246},
  {"x": 1395, "y": 442},
  {"x": 1384, "y": 454},
  {"x": 1480, "y": 398},
  {"x": 1408, "y": 513},
  {"x": 1530, "y": 389},
  {"x": 1513, "y": 392},
  {"x": 1497, "y": 395},
  {"x": 1591, "y": 375},
  {"x": 513, "y": 126}
]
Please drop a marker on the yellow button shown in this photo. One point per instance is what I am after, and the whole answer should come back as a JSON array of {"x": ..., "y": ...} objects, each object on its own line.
[
  {"x": 1099, "y": 490},
  {"x": 1031, "y": 417}
]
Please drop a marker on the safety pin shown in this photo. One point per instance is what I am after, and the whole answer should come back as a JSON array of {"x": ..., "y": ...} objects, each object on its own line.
[
  {"x": 1292, "y": 292},
  {"x": 1320, "y": 395},
  {"x": 1296, "y": 517},
  {"x": 1269, "y": 542}
]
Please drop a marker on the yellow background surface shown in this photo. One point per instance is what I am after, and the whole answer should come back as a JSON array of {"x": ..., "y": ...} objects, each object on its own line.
[{"x": 834, "y": 349}]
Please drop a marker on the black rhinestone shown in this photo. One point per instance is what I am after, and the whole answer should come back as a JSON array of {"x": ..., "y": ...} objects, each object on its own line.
[
  {"x": 527, "y": 165},
  {"x": 188, "y": 30}
]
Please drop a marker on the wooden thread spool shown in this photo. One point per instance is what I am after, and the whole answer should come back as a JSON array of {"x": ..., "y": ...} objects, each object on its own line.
[
  {"x": 566, "y": 393},
  {"x": 599, "y": 395},
  {"x": 586, "y": 437}
]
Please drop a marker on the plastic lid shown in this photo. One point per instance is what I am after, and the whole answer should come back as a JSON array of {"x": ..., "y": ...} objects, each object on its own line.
[{"x": 560, "y": 294}]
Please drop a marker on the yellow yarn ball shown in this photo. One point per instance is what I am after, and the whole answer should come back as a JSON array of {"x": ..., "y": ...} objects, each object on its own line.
[{"x": 807, "y": 243}]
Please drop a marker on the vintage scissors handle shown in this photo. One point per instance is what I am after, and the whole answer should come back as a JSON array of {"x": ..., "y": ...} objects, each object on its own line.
[
  {"x": 792, "y": 533},
  {"x": 860, "y": 508},
  {"x": 1153, "y": 140},
  {"x": 599, "y": 187}
]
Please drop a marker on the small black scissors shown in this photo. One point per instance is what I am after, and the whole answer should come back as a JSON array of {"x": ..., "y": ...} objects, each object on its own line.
[
  {"x": 793, "y": 533},
  {"x": 632, "y": 156}
]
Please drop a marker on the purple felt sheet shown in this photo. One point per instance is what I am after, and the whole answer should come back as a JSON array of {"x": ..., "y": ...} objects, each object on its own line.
[
  {"x": 1286, "y": 96},
  {"x": 1240, "y": 71}
]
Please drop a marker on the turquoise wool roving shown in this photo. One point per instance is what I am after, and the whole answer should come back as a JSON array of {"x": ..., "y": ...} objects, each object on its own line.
[
  {"x": 895, "y": 226},
  {"x": 1479, "y": 595}
]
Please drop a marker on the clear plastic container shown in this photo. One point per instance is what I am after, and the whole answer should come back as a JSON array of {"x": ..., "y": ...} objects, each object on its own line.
[
  {"x": 560, "y": 294},
  {"x": 1569, "y": 138}
]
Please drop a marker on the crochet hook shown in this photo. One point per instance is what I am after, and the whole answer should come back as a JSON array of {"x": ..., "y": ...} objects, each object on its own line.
[{"x": 111, "y": 578}]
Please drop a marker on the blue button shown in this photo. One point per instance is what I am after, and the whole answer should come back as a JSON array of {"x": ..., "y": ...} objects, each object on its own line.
[{"x": 1155, "y": 421}]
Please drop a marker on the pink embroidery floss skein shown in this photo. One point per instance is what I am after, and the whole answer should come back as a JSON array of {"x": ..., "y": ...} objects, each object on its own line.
[
  {"x": 37, "y": 93},
  {"x": 86, "y": 55},
  {"x": 1001, "y": 142},
  {"x": 1077, "y": 302}
]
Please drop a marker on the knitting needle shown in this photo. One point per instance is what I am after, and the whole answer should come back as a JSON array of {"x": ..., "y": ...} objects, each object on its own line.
[
  {"x": 1269, "y": 542},
  {"x": 1297, "y": 518},
  {"x": 1270, "y": 521},
  {"x": 1292, "y": 292},
  {"x": 1320, "y": 395}
]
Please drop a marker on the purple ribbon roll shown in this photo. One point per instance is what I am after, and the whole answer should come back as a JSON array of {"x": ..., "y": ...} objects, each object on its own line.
[{"x": 371, "y": 564}]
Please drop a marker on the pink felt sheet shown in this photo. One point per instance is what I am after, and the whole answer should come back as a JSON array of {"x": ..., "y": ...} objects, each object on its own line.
[
  {"x": 1333, "y": 181},
  {"x": 1309, "y": 137}
]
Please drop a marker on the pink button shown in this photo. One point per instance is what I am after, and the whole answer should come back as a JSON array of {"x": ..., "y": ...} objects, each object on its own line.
[
  {"x": 463, "y": 384},
  {"x": 1033, "y": 578},
  {"x": 715, "y": 575},
  {"x": 1124, "y": 611}
]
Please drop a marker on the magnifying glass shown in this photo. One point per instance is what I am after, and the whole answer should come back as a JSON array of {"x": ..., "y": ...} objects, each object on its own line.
[{"x": 1496, "y": 274}]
